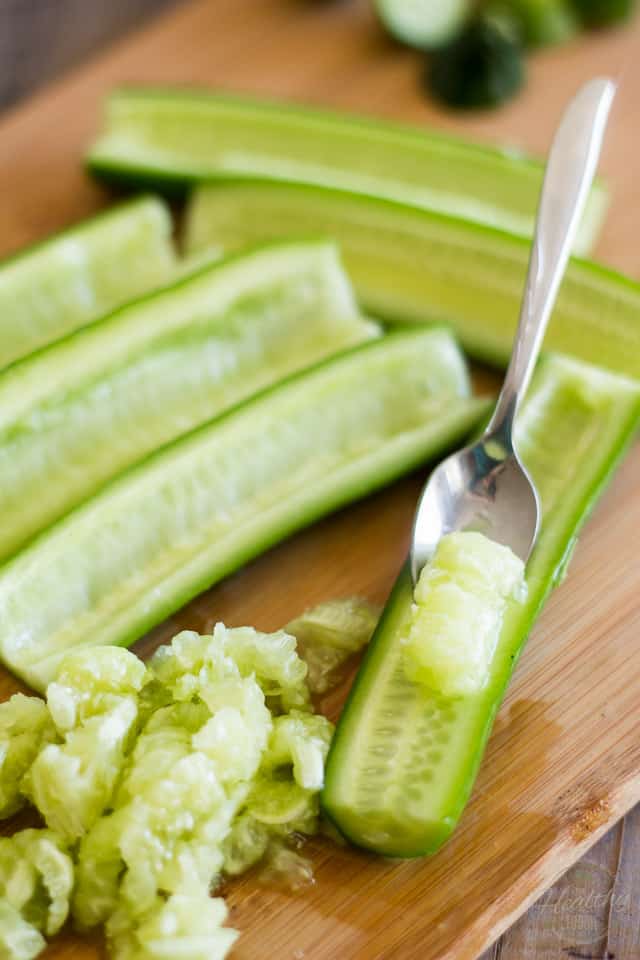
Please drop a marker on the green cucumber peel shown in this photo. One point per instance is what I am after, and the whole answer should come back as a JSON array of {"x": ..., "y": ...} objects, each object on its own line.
[
  {"x": 408, "y": 264},
  {"x": 172, "y": 139},
  {"x": 537, "y": 22},
  {"x": 404, "y": 760},
  {"x": 74, "y": 415},
  {"x": 198, "y": 509},
  {"x": 53, "y": 288}
]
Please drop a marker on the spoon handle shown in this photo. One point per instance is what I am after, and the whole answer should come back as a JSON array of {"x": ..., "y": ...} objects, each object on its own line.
[{"x": 571, "y": 167}]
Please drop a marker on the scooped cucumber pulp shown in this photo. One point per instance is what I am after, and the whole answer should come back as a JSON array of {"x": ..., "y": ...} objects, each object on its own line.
[
  {"x": 408, "y": 264},
  {"x": 51, "y": 289},
  {"x": 198, "y": 509},
  {"x": 174, "y": 138},
  {"x": 404, "y": 758},
  {"x": 459, "y": 605},
  {"x": 161, "y": 778},
  {"x": 78, "y": 413}
]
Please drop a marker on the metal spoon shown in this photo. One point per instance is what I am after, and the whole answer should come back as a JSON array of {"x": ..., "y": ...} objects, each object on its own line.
[{"x": 485, "y": 487}]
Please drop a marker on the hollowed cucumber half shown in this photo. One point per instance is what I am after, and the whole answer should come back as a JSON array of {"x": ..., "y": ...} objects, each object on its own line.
[
  {"x": 404, "y": 759},
  {"x": 55, "y": 287},
  {"x": 409, "y": 264},
  {"x": 78, "y": 413},
  {"x": 171, "y": 139},
  {"x": 198, "y": 509}
]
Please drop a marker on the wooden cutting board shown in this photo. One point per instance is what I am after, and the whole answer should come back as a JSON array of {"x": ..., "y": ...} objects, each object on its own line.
[{"x": 564, "y": 759}]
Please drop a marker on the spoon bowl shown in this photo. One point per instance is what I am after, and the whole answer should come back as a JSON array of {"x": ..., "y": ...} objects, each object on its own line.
[{"x": 479, "y": 488}]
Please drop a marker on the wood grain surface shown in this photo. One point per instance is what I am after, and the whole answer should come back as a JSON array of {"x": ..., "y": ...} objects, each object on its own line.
[{"x": 564, "y": 760}]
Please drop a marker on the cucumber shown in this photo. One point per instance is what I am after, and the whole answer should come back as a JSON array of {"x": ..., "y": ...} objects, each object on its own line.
[
  {"x": 423, "y": 23},
  {"x": 603, "y": 13},
  {"x": 409, "y": 264},
  {"x": 404, "y": 760},
  {"x": 172, "y": 139},
  {"x": 197, "y": 510},
  {"x": 74, "y": 415},
  {"x": 57, "y": 286},
  {"x": 459, "y": 603},
  {"x": 481, "y": 68},
  {"x": 538, "y": 22}
]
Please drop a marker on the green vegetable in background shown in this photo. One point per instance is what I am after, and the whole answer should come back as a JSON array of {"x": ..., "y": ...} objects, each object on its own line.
[
  {"x": 425, "y": 24},
  {"x": 481, "y": 67},
  {"x": 602, "y": 13},
  {"x": 538, "y": 22},
  {"x": 476, "y": 59}
]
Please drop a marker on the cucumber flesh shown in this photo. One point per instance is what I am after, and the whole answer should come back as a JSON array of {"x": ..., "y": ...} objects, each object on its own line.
[
  {"x": 52, "y": 289},
  {"x": 330, "y": 634},
  {"x": 173, "y": 138},
  {"x": 422, "y": 23},
  {"x": 408, "y": 264},
  {"x": 198, "y": 509},
  {"x": 76, "y": 414},
  {"x": 459, "y": 604},
  {"x": 404, "y": 759}
]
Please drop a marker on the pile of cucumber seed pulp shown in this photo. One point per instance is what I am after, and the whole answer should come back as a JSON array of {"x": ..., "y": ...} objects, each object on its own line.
[{"x": 162, "y": 425}]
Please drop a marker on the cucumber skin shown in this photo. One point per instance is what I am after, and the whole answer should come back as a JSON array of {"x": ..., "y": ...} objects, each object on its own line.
[
  {"x": 388, "y": 285},
  {"x": 161, "y": 600},
  {"x": 175, "y": 181},
  {"x": 436, "y": 833}
]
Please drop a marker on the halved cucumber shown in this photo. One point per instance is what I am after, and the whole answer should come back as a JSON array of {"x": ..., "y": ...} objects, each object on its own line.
[
  {"x": 423, "y": 23},
  {"x": 197, "y": 510},
  {"x": 409, "y": 264},
  {"x": 403, "y": 759},
  {"x": 78, "y": 413},
  {"x": 173, "y": 138},
  {"x": 49, "y": 290}
]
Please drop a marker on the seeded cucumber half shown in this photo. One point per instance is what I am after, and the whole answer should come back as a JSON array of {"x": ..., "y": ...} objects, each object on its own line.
[
  {"x": 408, "y": 264},
  {"x": 404, "y": 760},
  {"x": 78, "y": 413},
  {"x": 201, "y": 507},
  {"x": 57, "y": 286}
]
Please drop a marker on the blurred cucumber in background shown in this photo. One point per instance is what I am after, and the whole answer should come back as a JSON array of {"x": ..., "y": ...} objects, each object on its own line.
[
  {"x": 477, "y": 49},
  {"x": 538, "y": 23}
]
